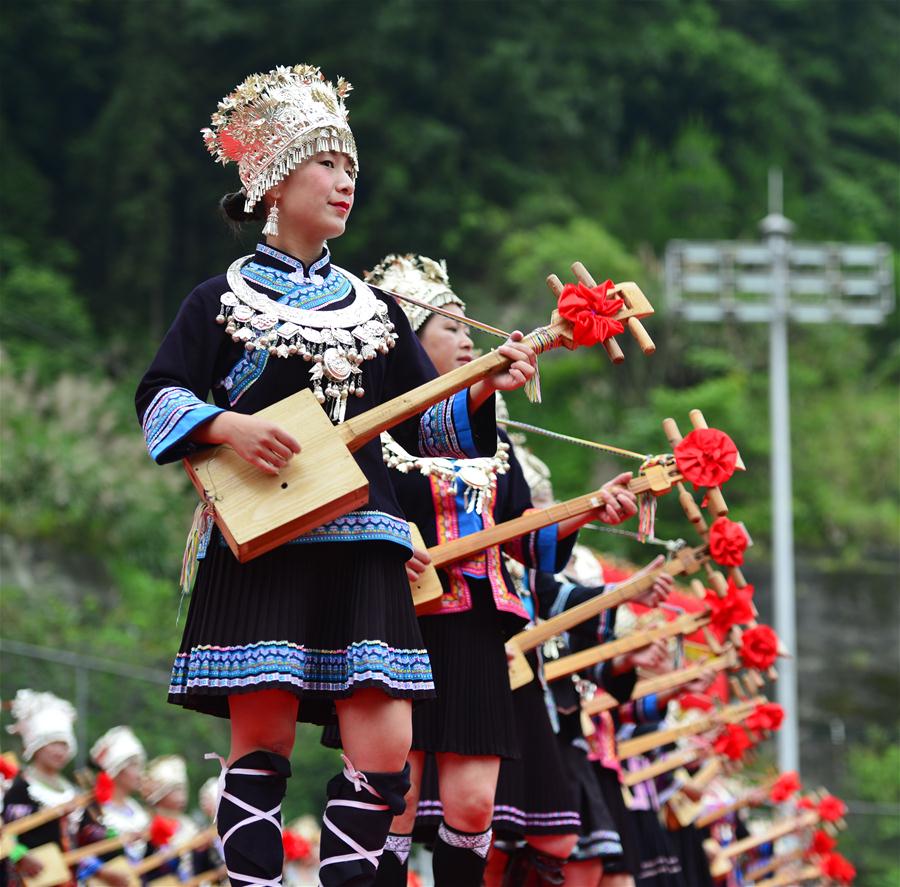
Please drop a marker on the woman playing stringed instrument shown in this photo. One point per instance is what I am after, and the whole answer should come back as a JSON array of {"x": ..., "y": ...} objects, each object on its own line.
[
  {"x": 44, "y": 723},
  {"x": 470, "y": 726},
  {"x": 322, "y": 627}
]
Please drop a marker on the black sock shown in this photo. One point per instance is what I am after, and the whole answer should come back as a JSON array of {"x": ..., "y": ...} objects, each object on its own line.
[
  {"x": 394, "y": 868},
  {"x": 249, "y": 817},
  {"x": 355, "y": 825},
  {"x": 460, "y": 857}
]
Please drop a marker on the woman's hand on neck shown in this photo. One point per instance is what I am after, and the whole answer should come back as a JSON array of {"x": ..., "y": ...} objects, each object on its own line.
[{"x": 308, "y": 251}]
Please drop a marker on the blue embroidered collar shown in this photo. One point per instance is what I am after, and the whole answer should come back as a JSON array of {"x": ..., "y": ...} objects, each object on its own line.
[{"x": 294, "y": 270}]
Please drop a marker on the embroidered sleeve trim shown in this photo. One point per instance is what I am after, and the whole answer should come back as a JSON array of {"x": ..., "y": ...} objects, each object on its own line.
[
  {"x": 172, "y": 415},
  {"x": 445, "y": 429}
]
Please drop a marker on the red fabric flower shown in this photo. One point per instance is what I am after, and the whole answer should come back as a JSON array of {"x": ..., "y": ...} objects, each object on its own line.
[
  {"x": 706, "y": 457},
  {"x": 838, "y": 868},
  {"x": 295, "y": 845},
  {"x": 786, "y": 785},
  {"x": 766, "y": 716},
  {"x": 413, "y": 880},
  {"x": 831, "y": 809},
  {"x": 8, "y": 769},
  {"x": 162, "y": 830},
  {"x": 104, "y": 787},
  {"x": 759, "y": 647},
  {"x": 806, "y": 804},
  {"x": 727, "y": 542},
  {"x": 735, "y": 608},
  {"x": 733, "y": 742},
  {"x": 592, "y": 315},
  {"x": 822, "y": 843}
]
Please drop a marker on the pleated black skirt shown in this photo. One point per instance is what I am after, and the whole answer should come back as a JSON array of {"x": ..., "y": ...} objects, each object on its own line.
[
  {"x": 630, "y": 860},
  {"x": 688, "y": 845},
  {"x": 472, "y": 713},
  {"x": 660, "y": 866},
  {"x": 534, "y": 793},
  {"x": 598, "y": 837},
  {"x": 319, "y": 620}
]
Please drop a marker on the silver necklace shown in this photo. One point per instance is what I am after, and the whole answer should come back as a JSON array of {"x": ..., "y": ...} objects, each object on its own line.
[{"x": 335, "y": 343}]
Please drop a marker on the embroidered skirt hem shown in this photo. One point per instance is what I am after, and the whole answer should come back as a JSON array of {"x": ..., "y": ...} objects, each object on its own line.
[{"x": 320, "y": 621}]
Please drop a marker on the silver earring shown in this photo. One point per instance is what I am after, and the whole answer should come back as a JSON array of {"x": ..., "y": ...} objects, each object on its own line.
[{"x": 271, "y": 226}]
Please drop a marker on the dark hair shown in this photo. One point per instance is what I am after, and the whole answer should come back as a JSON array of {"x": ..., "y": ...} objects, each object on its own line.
[{"x": 232, "y": 207}]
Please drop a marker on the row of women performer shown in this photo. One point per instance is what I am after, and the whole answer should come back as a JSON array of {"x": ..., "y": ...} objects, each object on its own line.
[
  {"x": 142, "y": 803},
  {"x": 323, "y": 629}
]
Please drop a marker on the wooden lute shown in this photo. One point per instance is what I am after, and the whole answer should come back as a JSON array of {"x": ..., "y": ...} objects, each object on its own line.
[
  {"x": 11, "y": 830},
  {"x": 686, "y": 560},
  {"x": 427, "y": 589},
  {"x": 257, "y": 512}
]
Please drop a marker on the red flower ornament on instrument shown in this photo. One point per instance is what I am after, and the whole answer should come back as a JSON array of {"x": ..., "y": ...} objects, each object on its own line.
[
  {"x": 104, "y": 787},
  {"x": 733, "y": 742},
  {"x": 295, "y": 845},
  {"x": 727, "y": 542},
  {"x": 766, "y": 716},
  {"x": 591, "y": 313},
  {"x": 706, "y": 457},
  {"x": 838, "y": 868},
  {"x": 759, "y": 647},
  {"x": 822, "y": 843},
  {"x": 162, "y": 830},
  {"x": 786, "y": 785},
  {"x": 8, "y": 769},
  {"x": 735, "y": 608},
  {"x": 806, "y": 803},
  {"x": 831, "y": 809}
]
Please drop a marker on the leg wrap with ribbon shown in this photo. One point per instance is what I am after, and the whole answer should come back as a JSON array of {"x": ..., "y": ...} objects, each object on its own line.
[
  {"x": 529, "y": 867},
  {"x": 394, "y": 868},
  {"x": 356, "y": 822},
  {"x": 248, "y": 817},
  {"x": 460, "y": 857}
]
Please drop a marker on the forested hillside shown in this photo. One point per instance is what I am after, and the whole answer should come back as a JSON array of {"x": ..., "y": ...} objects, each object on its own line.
[{"x": 510, "y": 139}]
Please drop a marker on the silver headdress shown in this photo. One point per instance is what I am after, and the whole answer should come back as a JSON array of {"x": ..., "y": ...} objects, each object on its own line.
[
  {"x": 42, "y": 718},
  {"x": 272, "y": 122},
  {"x": 164, "y": 774},
  {"x": 116, "y": 748},
  {"x": 417, "y": 276}
]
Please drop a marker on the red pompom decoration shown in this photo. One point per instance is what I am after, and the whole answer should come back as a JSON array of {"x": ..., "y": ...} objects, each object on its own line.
[
  {"x": 706, "y": 457},
  {"x": 831, "y": 809},
  {"x": 786, "y": 785},
  {"x": 104, "y": 787},
  {"x": 736, "y": 608},
  {"x": 822, "y": 843},
  {"x": 727, "y": 542},
  {"x": 838, "y": 868},
  {"x": 8, "y": 769},
  {"x": 295, "y": 845},
  {"x": 766, "y": 716},
  {"x": 161, "y": 831},
  {"x": 592, "y": 315},
  {"x": 759, "y": 647},
  {"x": 733, "y": 742},
  {"x": 806, "y": 804}
]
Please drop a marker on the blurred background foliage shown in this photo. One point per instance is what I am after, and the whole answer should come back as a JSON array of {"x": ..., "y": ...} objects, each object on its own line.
[{"x": 510, "y": 139}]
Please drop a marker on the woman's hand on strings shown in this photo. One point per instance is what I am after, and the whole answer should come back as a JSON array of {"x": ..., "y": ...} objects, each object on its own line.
[
  {"x": 257, "y": 441},
  {"x": 662, "y": 587},
  {"x": 417, "y": 564},
  {"x": 618, "y": 503}
]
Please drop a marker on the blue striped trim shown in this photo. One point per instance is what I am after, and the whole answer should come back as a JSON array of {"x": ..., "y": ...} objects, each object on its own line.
[
  {"x": 172, "y": 415},
  {"x": 546, "y": 548},
  {"x": 330, "y": 671},
  {"x": 357, "y": 526},
  {"x": 445, "y": 429}
]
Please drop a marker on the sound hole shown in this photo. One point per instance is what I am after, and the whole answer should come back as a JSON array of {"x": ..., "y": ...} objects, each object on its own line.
[{"x": 284, "y": 486}]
